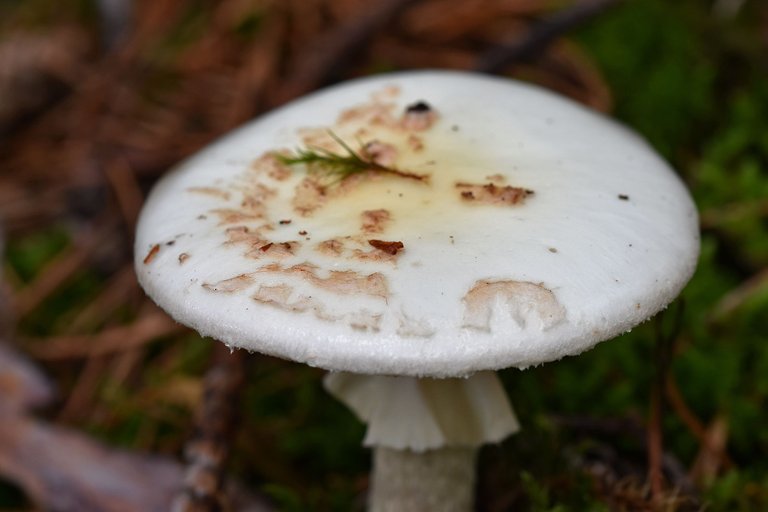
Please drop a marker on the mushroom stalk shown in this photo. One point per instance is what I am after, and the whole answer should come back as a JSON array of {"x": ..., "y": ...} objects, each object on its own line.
[
  {"x": 408, "y": 481},
  {"x": 425, "y": 434}
]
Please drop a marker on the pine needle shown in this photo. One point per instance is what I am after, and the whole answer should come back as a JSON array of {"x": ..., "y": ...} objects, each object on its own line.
[{"x": 339, "y": 166}]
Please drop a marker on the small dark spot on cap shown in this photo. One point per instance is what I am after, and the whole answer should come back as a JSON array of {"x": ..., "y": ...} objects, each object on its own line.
[
  {"x": 285, "y": 221},
  {"x": 201, "y": 217},
  {"x": 467, "y": 194},
  {"x": 455, "y": 128},
  {"x": 265, "y": 248},
  {"x": 624, "y": 197},
  {"x": 419, "y": 106},
  {"x": 552, "y": 249},
  {"x": 170, "y": 243},
  {"x": 302, "y": 232}
]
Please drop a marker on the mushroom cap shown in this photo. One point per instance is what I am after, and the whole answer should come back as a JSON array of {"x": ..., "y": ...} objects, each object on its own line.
[{"x": 539, "y": 229}]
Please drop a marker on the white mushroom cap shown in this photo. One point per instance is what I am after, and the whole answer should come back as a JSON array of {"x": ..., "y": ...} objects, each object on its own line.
[{"x": 258, "y": 255}]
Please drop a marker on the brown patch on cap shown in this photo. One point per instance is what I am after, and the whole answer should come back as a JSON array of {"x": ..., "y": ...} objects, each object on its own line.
[
  {"x": 231, "y": 285},
  {"x": 255, "y": 199},
  {"x": 332, "y": 247},
  {"x": 151, "y": 254},
  {"x": 390, "y": 248},
  {"x": 232, "y": 216},
  {"x": 309, "y": 195},
  {"x": 346, "y": 281},
  {"x": 374, "y": 221},
  {"x": 523, "y": 301},
  {"x": 374, "y": 255},
  {"x": 183, "y": 257},
  {"x": 236, "y": 233},
  {"x": 379, "y": 153},
  {"x": 318, "y": 137},
  {"x": 278, "y": 295},
  {"x": 388, "y": 92},
  {"x": 491, "y": 193},
  {"x": 251, "y": 239},
  {"x": 272, "y": 167},
  {"x": 377, "y": 113},
  {"x": 418, "y": 117},
  {"x": 341, "y": 282},
  {"x": 415, "y": 143},
  {"x": 211, "y": 191}
]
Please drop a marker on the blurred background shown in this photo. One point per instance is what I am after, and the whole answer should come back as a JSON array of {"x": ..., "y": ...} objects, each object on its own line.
[{"x": 100, "y": 391}]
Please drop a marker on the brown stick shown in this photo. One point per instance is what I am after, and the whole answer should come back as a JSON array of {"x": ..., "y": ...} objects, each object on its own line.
[
  {"x": 655, "y": 448},
  {"x": 207, "y": 452},
  {"x": 662, "y": 354},
  {"x": 115, "y": 339}
]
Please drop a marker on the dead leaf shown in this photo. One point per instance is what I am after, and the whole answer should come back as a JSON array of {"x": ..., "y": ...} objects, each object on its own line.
[
  {"x": 22, "y": 385},
  {"x": 64, "y": 471}
]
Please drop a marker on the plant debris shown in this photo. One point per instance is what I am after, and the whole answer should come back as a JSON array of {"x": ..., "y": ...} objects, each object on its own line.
[
  {"x": 333, "y": 167},
  {"x": 391, "y": 248}
]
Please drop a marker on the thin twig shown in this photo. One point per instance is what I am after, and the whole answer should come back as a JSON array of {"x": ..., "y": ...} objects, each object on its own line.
[
  {"x": 56, "y": 272},
  {"x": 120, "y": 290},
  {"x": 116, "y": 339},
  {"x": 81, "y": 396},
  {"x": 693, "y": 423},
  {"x": 738, "y": 296},
  {"x": 126, "y": 189},
  {"x": 662, "y": 355}
]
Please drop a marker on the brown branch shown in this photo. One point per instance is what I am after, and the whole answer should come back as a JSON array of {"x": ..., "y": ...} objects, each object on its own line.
[{"x": 207, "y": 452}]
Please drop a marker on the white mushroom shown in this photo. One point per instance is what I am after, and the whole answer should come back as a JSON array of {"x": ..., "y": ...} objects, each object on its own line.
[{"x": 501, "y": 227}]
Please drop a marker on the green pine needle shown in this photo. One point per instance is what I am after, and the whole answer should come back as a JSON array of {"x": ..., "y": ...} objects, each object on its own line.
[{"x": 338, "y": 167}]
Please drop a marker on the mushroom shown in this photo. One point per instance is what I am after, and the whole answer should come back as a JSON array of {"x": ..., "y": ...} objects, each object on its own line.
[{"x": 506, "y": 227}]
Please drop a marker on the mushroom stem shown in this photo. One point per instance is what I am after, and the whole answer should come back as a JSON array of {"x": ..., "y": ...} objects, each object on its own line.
[
  {"x": 425, "y": 434},
  {"x": 408, "y": 481}
]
